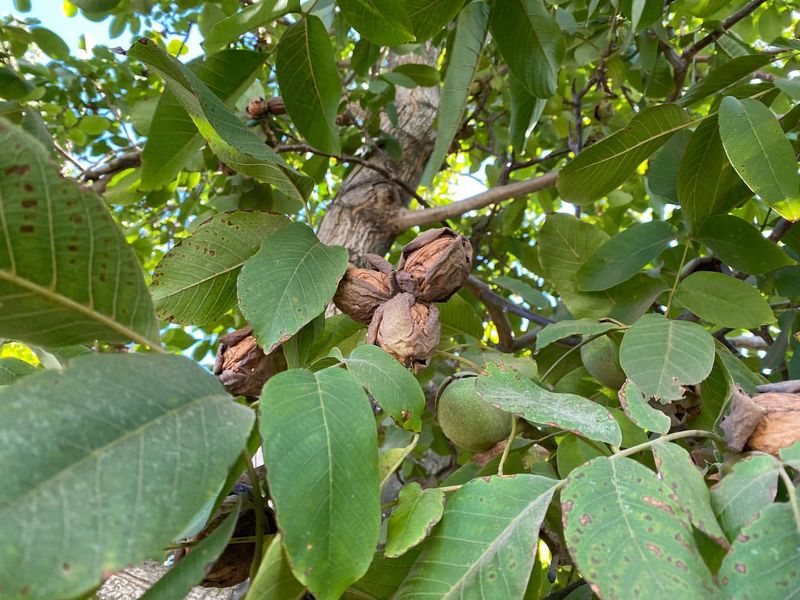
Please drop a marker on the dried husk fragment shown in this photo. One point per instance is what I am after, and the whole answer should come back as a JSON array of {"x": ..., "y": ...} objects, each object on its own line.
[
  {"x": 362, "y": 291},
  {"x": 406, "y": 329},
  {"x": 435, "y": 264},
  {"x": 779, "y": 426},
  {"x": 242, "y": 366},
  {"x": 744, "y": 415}
]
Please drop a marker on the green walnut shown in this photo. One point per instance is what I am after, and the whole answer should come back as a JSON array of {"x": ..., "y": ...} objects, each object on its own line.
[
  {"x": 467, "y": 420},
  {"x": 601, "y": 358}
]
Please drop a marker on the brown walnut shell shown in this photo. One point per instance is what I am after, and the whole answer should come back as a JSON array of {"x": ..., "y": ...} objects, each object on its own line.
[
  {"x": 780, "y": 425},
  {"x": 406, "y": 329},
  {"x": 435, "y": 264},
  {"x": 242, "y": 366},
  {"x": 362, "y": 291}
]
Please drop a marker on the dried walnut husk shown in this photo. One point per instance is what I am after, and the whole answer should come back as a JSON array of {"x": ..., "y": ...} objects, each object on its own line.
[
  {"x": 406, "y": 329},
  {"x": 362, "y": 291},
  {"x": 435, "y": 265},
  {"x": 242, "y": 366},
  {"x": 780, "y": 425}
]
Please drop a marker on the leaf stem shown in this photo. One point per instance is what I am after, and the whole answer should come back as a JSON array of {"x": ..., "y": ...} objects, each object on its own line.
[
  {"x": 507, "y": 449},
  {"x": 474, "y": 366},
  {"x": 559, "y": 360},
  {"x": 678, "y": 276},
  {"x": 259, "y": 507},
  {"x": 667, "y": 438}
]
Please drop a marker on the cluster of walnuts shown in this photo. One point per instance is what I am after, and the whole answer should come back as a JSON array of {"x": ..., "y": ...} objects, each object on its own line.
[{"x": 399, "y": 304}]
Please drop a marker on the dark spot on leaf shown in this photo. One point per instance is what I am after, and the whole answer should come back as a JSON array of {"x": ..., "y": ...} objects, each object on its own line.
[
  {"x": 27, "y": 229},
  {"x": 660, "y": 504},
  {"x": 566, "y": 506},
  {"x": 740, "y": 568},
  {"x": 585, "y": 519},
  {"x": 681, "y": 565},
  {"x": 65, "y": 567},
  {"x": 28, "y": 187},
  {"x": 29, "y": 203},
  {"x": 17, "y": 170},
  {"x": 72, "y": 248},
  {"x": 655, "y": 549}
]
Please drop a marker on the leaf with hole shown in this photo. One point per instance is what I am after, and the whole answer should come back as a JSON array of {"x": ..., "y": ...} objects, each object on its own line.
[
  {"x": 628, "y": 534},
  {"x": 195, "y": 282},
  {"x": 417, "y": 512},
  {"x": 309, "y": 81},
  {"x": 634, "y": 404},
  {"x": 228, "y": 138},
  {"x": 486, "y": 541},
  {"x": 660, "y": 355},
  {"x": 67, "y": 274},
  {"x": 515, "y": 394},
  {"x": 604, "y": 166},
  {"x": 121, "y": 443},
  {"x": 624, "y": 255},
  {"x": 321, "y": 454},
  {"x": 724, "y": 300},
  {"x": 288, "y": 282}
]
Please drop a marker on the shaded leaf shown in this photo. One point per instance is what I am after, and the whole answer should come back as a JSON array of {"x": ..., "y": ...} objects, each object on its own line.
[
  {"x": 192, "y": 568},
  {"x": 724, "y": 76},
  {"x": 628, "y": 534},
  {"x": 515, "y": 394},
  {"x": 724, "y": 300},
  {"x": 486, "y": 541},
  {"x": 411, "y": 522},
  {"x": 528, "y": 293},
  {"x": 745, "y": 491},
  {"x": 531, "y": 43},
  {"x": 195, "y": 282},
  {"x": 604, "y": 166},
  {"x": 624, "y": 255},
  {"x": 428, "y": 17},
  {"x": 382, "y": 22},
  {"x": 12, "y": 369},
  {"x": 12, "y": 85},
  {"x": 525, "y": 112},
  {"x": 740, "y": 245},
  {"x": 274, "y": 580},
  {"x": 464, "y": 54},
  {"x": 574, "y": 452},
  {"x": 321, "y": 453},
  {"x": 393, "y": 386},
  {"x": 67, "y": 274},
  {"x": 95, "y": 6},
  {"x": 634, "y": 404},
  {"x": 226, "y": 135},
  {"x": 247, "y": 19},
  {"x": 459, "y": 317},
  {"x": 309, "y": 81},
  {"x": 660, "y": 355},
  {"x": 287, "y": 283},
  {"x": 761, "y": 154},
  {"x": 569, "y": 327},
  {"x": 121, "y": 444}
]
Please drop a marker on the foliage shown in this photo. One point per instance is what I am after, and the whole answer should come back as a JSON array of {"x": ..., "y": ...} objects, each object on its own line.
[{"x": 637, "y": 231}]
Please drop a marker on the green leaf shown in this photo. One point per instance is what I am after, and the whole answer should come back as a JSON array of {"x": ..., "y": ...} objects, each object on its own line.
[
  {"x": 724, "y": 300},
  {"x": 321, "y": 453},
  {"x": 724, "y": 76},
  {"x": 428, "y": 17},
  {"x": 486, "y": 541},
  {"x": 12, "y": 85},
  {"x": 624, "y": 255},
  {"x": 569, "y": 327},
  {"x": 382, "y": 22},
  {"x": 226, "y": 135},
  {"x": 679, "y": 473},
  {"x": 390, "y": 460},
  {"x": 464, "y": 54},
  {"x": 411, "y": 522},
  {"x": 310, "y": 83},
  {"x": 525, "y": 113},
  {"x": 247, "y": 19},
  {"x": 744, "y": 492},
  {"x": 459, "y": 317},
  {"x": 67, "y": 275},
  {"x": 195, "y": 282},
  {"x": 790, "y": 87},
  {"x": 515, "y": 394},
  {"x": 628, "y": 536},
  {"x": 274, "y": 580},
  {"x": 634, "y": 404},
  {"x": 288, "y": 282},
  {"x": 50, "y": 43},
  {"x": 122, "y": 445},
  {"x": 764, "y": 561},
  {"x": 12, "y": 369},
  {"x": 173, "y": 138},
  {"x": 94, "y": 124},
  {"x": 761, "y": 154},
  {"x": 192, "y": 568},
  {"x": 95, "y": 6},
  {"x": 423, "y": 75},
  {"x": 604, "y": 166},
  {"x": 573, "y": 452},
  {"x": 394, "y": 388},
  {"x": 660, "y": 355},
  {"x": 531, "y": 43},
  {"x": 791, "y": 455},
  {"x": 528, "y": 293},
  {"x": 707, "y": 183},
  {"x": 740, "y": 245}
]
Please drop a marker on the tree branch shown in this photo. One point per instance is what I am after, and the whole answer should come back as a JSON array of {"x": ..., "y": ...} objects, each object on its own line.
[
  {"x": 484, "y": 293},
  {"x": 783, "y": 387},
  {"x": 411, "y": 218}
]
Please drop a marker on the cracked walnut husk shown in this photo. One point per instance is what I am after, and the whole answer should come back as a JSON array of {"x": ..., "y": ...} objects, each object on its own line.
[
  {"x": 362, "y": 291},
  {"x": 407, "y": 329},
  {"x": 435, "y": 264},
  {"x": 242, "y": 366}
]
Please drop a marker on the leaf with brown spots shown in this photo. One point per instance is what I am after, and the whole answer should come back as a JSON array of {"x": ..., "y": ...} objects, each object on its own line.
[
  {"x": 67, "y": 274},
  {"x": 629, "y": 536}
]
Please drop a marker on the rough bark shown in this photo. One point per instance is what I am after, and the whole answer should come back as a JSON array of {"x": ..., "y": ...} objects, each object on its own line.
[{"x": 361, "y": 215}]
